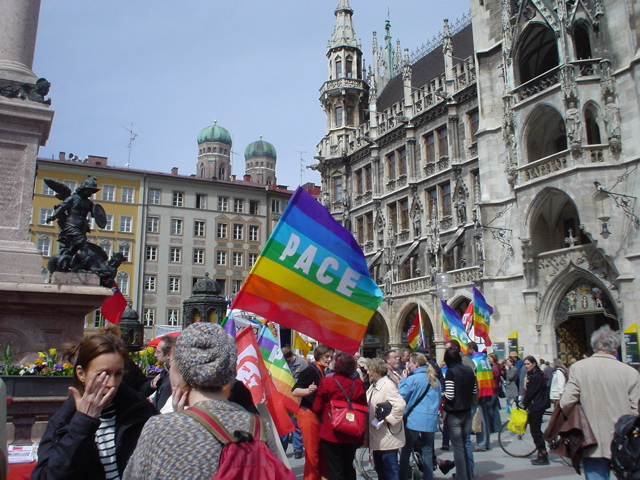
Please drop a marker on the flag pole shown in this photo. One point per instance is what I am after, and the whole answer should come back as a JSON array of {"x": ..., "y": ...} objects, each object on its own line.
[{"x": 422, "y": 339}]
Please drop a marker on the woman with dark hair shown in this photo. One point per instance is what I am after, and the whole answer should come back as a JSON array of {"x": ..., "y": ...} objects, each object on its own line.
[
  {"x": 459, "y": 388},
  {"x": 339, "y": 449},
  {"x": 96, "y": 430},
  {"x": 536, "y": 401}
]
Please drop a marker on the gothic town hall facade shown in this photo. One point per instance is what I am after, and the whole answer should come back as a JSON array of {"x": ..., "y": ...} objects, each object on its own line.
[{"x": 503, "y": 153}]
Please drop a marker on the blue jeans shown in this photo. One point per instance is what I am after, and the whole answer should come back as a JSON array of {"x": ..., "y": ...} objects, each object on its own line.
[
  {"x": 596, "y": 468},
  {"x": 426, "y": 439},
  {"x": 386, "y": 464},
  {"x": 297, "y": 436},
  {"x": 459, "y": 425},
  {"x": 468, "y": 445},
  {"x": 484, "y": 439}
]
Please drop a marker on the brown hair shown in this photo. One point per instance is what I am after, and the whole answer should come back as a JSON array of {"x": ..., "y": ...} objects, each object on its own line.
[
  {"x": 344, "y": 364},
  {"x": 90, "y": 348}
]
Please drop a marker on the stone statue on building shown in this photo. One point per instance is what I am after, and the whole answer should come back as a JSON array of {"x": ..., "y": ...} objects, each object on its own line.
[
  {"x": 76, "y": 253},
  {"x": 612, "y": 118},
  {"x": 461, "y": 208},
  {"x": 573, "y": 123}
]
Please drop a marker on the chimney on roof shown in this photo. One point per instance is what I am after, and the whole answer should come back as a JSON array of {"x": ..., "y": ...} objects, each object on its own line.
[
  {"x": 62, "y": 156},
  {"x": 247, "y": 178},
  {"x": 174, "y": 171},
  {"x": 97, "y": 161},
  {"x": 233, "y": 178}
]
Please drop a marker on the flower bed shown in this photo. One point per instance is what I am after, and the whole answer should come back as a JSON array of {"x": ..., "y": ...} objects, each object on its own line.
[{"x": 47, "y": 366}]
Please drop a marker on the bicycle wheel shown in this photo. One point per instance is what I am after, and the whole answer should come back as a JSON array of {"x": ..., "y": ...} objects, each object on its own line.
[
  {"x": 514, "y": 444},
  {"x": 364, "y": 464}
]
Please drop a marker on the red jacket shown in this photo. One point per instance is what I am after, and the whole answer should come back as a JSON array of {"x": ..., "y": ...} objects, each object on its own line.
[{"x": 327, "y": 390}]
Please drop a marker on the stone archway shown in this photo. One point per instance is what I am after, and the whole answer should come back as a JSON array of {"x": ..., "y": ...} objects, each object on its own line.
[
  {"x": 376, "y": 338},
  {"x": 427, "y": 326},
  {"x": 584, "y": 307}
]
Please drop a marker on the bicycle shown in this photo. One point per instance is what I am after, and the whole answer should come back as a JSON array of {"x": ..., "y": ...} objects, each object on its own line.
[
  {"x": 363, "y": 464},
  {"x": 521, "y": 445}
]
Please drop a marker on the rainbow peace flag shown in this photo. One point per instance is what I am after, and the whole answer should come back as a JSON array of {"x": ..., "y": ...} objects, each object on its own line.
[
  {"x": 278, "y": 368},
  {"x": 413, "y": 334},
  {"x": 481, "y": 313},
  {"x": 453, "y": 328},
  {"x": 312, "y": 277},
  {"x": 484, "y": 374}
]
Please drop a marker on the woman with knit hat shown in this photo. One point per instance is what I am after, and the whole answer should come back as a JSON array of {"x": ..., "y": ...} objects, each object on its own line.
[{"x": 177, "y": 446}]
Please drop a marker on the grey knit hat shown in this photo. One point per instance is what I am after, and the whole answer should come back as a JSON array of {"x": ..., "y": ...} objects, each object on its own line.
[{"x": 206, "y": 356}]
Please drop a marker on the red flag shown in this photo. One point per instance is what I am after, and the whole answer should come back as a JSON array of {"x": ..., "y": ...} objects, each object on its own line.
[
  {"x": 114, "y": 306},
  {"x": 254, "y": 374},
  {"x": 467, "y": 318}
]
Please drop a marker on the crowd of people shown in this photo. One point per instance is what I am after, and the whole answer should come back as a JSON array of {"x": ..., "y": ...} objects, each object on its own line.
[{"x": 117, "y": 424}]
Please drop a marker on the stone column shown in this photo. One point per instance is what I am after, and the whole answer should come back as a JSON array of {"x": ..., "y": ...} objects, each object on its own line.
[
  {"x": 18, "y": 39},
  {"x": 24, "y": 126}
]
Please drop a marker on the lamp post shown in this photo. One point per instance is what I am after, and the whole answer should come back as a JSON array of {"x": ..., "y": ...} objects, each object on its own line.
[
  {"x": 132, "y": 331},
  {"x": 444, "y": 291},
  {"x": 205, "y": 304}
]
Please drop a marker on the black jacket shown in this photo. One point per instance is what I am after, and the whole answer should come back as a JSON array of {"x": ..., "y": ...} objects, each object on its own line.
[
  {"x": 536, "y": 394},
  {"x": 464, "y": 381},
  {"x": 68, "y": 449}
]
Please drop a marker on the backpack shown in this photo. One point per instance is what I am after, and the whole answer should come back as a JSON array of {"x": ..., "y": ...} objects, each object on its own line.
[
  {"x": 245, "y": 456},
  {"x": 625, "y": 447}
]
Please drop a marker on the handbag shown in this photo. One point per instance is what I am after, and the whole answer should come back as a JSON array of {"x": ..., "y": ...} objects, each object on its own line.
[
  {"x": 476, "y": 423},
  {"x": 517, "y": 420},
  {"x": 346, "y": 417}
]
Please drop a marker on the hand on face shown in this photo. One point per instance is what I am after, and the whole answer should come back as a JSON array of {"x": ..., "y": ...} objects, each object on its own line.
[
  {"x": 101, "y": 380},
  {"x": 97, "y": 395}
]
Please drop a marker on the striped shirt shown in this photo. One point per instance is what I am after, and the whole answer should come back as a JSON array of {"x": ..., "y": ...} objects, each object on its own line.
[{"x": 105, "y": 439}]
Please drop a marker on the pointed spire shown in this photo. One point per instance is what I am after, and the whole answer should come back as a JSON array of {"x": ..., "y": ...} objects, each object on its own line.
[{"x": 343, "y": 33}]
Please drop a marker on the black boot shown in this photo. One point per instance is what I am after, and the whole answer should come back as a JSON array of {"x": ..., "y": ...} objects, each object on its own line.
[
  {"x": 541, "y": 460},
  {"x": 446, "y": 465}
]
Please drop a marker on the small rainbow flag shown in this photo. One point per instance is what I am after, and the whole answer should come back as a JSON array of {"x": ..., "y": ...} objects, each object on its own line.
[
  {"x": 453, "y": 328},
  {"x": 484, "y": 374},
  {"x": 481, "y": 313},
  {"x": 312, "y": 277},
  {"x": 278, "y": 368},
  {"x": 413, "y": 334}
]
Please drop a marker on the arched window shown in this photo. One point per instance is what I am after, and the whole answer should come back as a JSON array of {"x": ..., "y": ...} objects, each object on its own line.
[
  {"x": 591, "y": 117},
  {"x": 538, "y": 52},
  {"x": 582, "y": 41},
  {"x": 545, "y": 133},
  {"x": 222, "y": 172},
  {"x": 338, "y": 67},
  {"x": 349, "y": 67},
  {"x": 556, "y": 224}
]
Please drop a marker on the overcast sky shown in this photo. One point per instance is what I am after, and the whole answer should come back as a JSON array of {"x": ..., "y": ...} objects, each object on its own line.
[{"x": 170, "y": 68}]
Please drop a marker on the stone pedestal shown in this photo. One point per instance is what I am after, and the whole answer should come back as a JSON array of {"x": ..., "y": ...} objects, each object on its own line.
[
  {"x": 38, "y": 317},
  {"x": 24, "y": 126}
]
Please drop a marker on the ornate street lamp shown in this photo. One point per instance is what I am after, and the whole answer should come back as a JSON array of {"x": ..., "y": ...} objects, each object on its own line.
[
  {"x": 131, "y": 330},
  {"x": 205, "y": 305},
  {"x": 444, "y": 291}
]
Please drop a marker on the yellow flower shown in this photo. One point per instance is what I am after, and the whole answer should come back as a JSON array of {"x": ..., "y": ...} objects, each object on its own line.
[
  {"x": 41, "y": 354},
  {"x": 38, "y": 361},
  {"x": 142, "y": 352},
  {"x": 53, "y": 351},
  {"x": 27, "y": 364},
  {"x": 150, "y": 349},
  {"x": 66, "y": 365}
]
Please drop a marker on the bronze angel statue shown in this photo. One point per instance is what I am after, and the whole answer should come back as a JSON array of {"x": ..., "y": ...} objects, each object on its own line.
[{"x": 75, "y": 253}]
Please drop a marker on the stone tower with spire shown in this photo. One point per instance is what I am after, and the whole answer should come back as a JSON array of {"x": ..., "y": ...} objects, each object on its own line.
[{"x": 344, "y": 95}]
